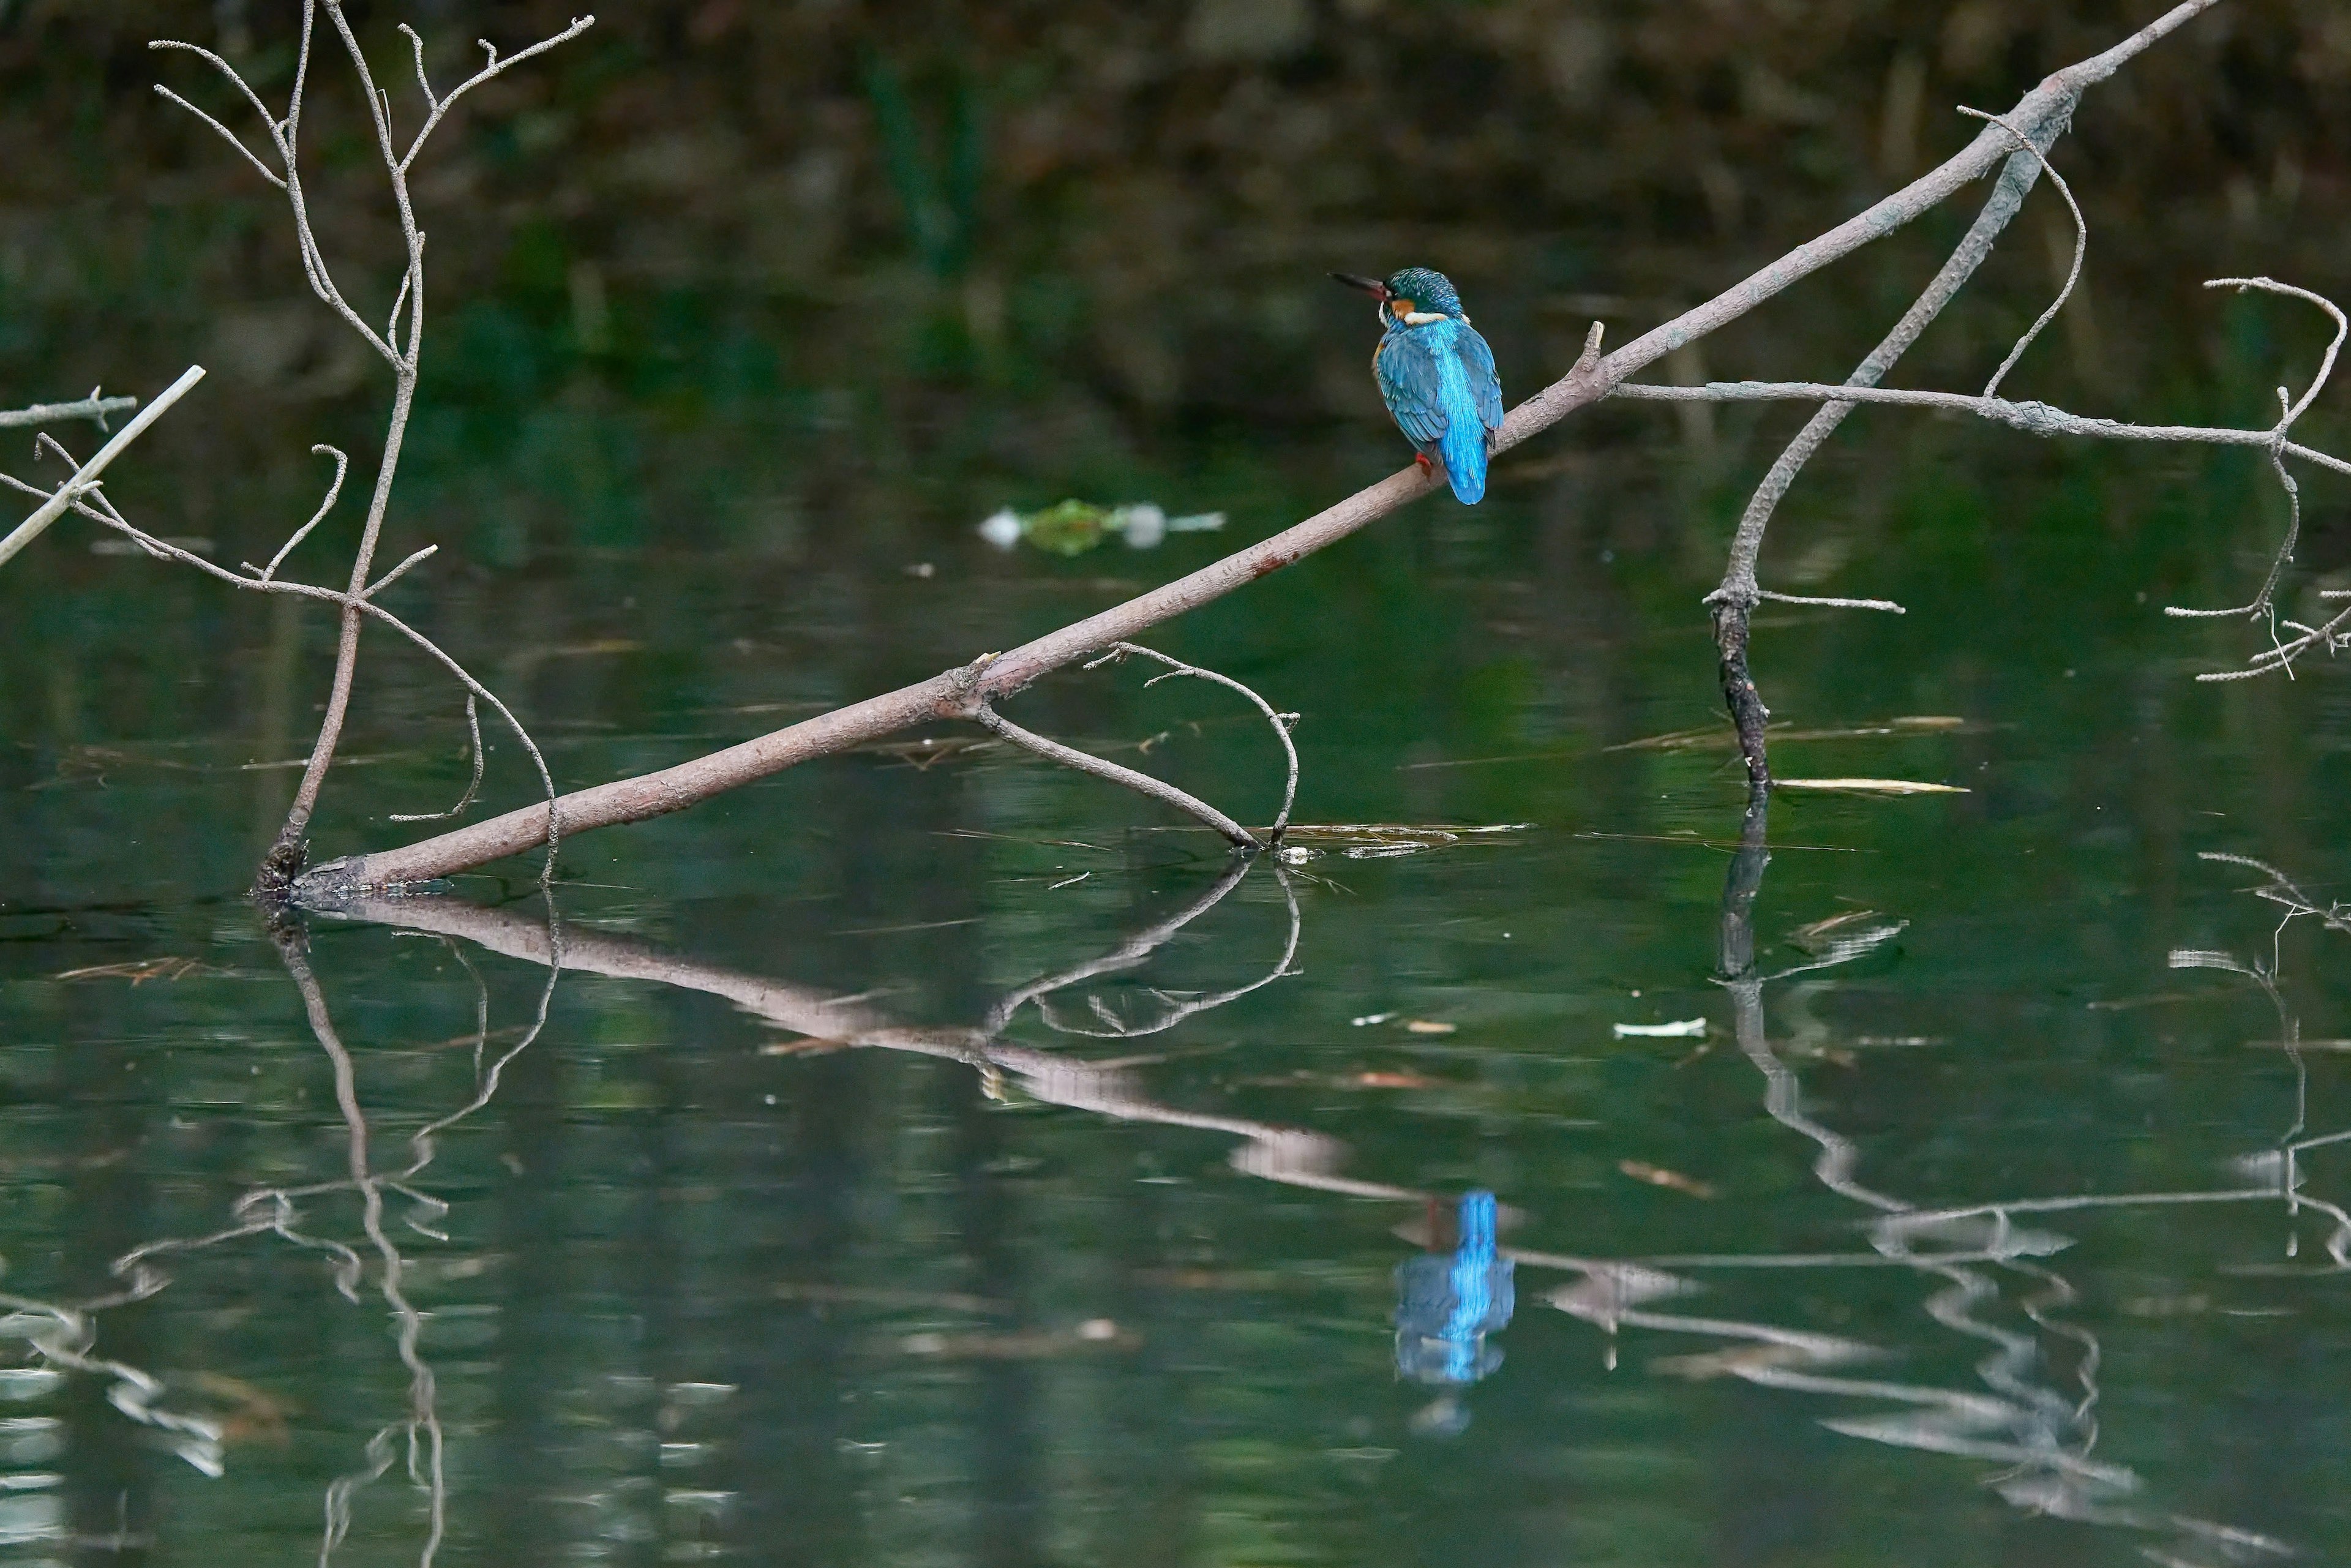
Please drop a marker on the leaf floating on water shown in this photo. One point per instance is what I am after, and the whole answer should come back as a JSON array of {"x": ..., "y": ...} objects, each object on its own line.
[
  {"x": 1658, "y": 1176},
  {"x": 1684, "y": 1028},
  {"x": 1869, "y": 786},
  {"x": 1428, "y": 1026}
]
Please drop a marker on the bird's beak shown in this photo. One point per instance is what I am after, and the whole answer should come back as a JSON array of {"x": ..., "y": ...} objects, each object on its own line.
[{"x": 1371, "y": 285}]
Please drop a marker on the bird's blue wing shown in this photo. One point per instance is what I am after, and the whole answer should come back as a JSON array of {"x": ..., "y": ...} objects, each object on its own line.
[
  {"x": 1478, "y": 359},
  {"x": 1412, "y": 384}
]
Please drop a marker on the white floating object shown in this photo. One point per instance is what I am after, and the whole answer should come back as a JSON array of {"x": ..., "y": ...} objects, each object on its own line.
[
  {"x": 1686, "y": 1028},
  {"x": 1143, "y": 524},
  {"x": 1002, "y": 528},
  {"x": 1869, "y": 786}
]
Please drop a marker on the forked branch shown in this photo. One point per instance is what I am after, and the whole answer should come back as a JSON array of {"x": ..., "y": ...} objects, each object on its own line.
[
  {"x": 958, "y": 693},
  {"x": 400, "y": 344}
]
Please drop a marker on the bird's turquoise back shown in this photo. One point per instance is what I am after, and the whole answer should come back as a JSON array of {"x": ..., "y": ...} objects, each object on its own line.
[{"x": 1438, "y": 379}]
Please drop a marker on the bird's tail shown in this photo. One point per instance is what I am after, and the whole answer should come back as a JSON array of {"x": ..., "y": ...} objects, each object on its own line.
[{"x": 1463, "y": 447}]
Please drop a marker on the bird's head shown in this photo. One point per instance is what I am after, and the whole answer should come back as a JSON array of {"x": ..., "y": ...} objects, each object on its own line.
[{"x": 1411, "y": 297}]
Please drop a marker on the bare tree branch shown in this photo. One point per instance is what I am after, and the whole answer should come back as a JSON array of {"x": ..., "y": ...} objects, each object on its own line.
[
  {"x": 1159, "y": 790},
  {"x": 958, "y": 693},
  {"x": 1281, "y": 721},
  {"x": 92, "y": 407},
  {"x": 342, "y": 467},
  {"x": 401, "y": 350},
  {"x": 85, "y": 479}
]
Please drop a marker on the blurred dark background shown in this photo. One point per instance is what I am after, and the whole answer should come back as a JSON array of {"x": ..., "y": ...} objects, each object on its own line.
[{"x": 820, "y": 246}]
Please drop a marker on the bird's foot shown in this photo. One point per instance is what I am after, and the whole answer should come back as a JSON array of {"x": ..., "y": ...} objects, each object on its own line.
[{"x": 1421, "y": 460}]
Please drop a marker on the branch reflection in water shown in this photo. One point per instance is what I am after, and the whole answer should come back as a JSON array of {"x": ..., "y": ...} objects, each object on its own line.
[
  {"x": 2033, "y": 1412},
  {"x": 2044, "y": 1435},
  {"x": 63, "y": 1336}
]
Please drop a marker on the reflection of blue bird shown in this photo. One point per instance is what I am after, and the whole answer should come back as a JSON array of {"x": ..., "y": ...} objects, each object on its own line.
[
  {"x": 1436, "y": 374},
  {"x": 1448, "y": 1302}
]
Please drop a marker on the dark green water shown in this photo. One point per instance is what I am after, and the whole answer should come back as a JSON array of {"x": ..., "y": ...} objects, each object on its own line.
[
  {"x": 1979, "y": 1225},
  {"x": 927, "y": 1157}
]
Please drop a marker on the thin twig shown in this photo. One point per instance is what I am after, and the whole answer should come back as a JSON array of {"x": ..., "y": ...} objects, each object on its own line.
[
  {"x": 2034, "y": 418},
  {"x": 85, "y": 478},
  {"x": 496, "y": 66},
  {"x": 395, "y": 575},
  {"x": 342, "y": 467},
  {"x": 1159, "y": 790},
  {"x": 92, "y": 407},
  {"x": 1828, "y": 602},
  {"x": 1279, "y": 721},
  {"x": 2081, "y": 248},
  {"x": 474, "y": 788}
]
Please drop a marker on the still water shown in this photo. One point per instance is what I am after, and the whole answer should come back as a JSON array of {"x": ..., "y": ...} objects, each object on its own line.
[{"x": 929, "y": 1158}]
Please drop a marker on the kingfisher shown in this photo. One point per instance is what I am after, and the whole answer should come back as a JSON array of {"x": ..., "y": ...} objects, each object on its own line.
[{"x": 1436, "y": 375}]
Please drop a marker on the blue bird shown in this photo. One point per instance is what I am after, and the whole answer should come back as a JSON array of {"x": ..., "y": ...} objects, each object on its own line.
[{"x": 1436, "y": 374}]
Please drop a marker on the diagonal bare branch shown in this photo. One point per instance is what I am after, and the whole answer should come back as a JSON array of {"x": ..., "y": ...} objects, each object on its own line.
[{"x": 953, "y": 693}]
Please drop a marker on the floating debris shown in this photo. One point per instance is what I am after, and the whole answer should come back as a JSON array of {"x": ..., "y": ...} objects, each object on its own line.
[
  {"x": 1869, "y": 786},
  {"x": 1842, "y": 938},
  {"x": 141, "y": 971},
  {"x": 1385, "y": 840},
  {"x": 1658, "y": 1176},
  {"x": 1074, "y": 527},
  {"x": 1370, "y": 1018},
  {"x": 1428, "y": 1026},
  {"x": 1095, "y": 1334},
  {"x": 1682, "y": 1029},
  {"x": 1722, "y": 735}
]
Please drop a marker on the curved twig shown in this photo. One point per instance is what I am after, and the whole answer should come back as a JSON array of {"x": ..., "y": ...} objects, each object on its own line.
[
  {"x": 1159, "y": 790},
  {"x": 2080, "y": 248},
  {"x": 1281, "y": 721},
  {"x": 334, "y": 489},
  {"x": 474, "y": 788}
]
